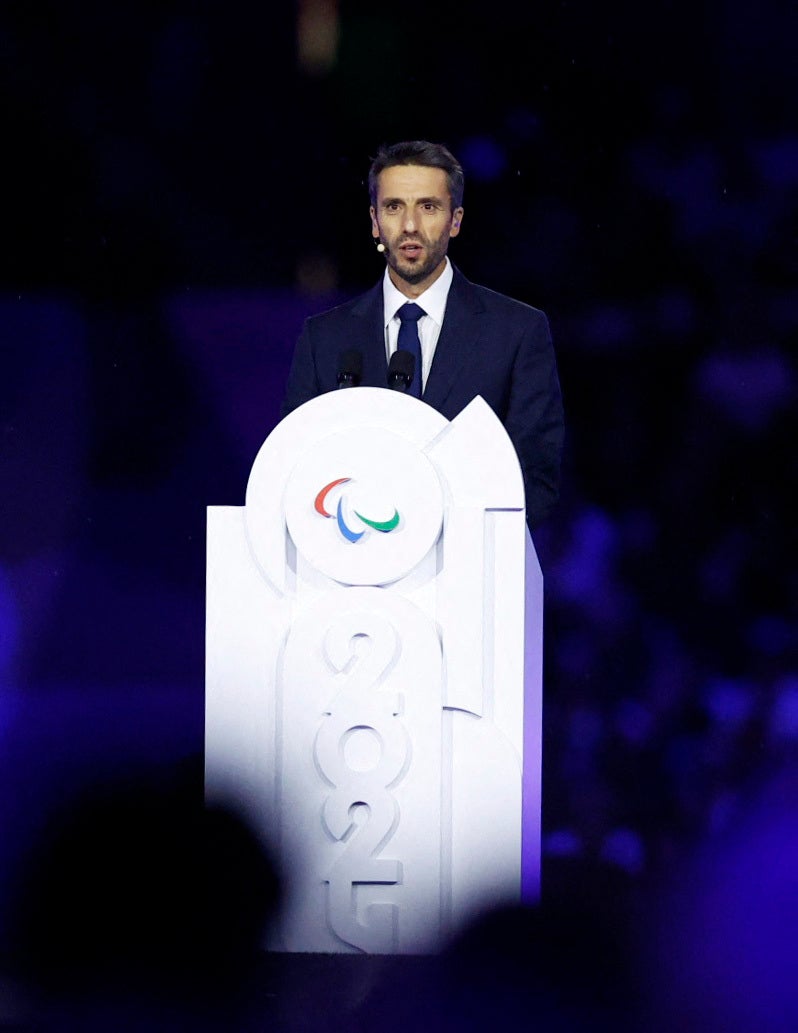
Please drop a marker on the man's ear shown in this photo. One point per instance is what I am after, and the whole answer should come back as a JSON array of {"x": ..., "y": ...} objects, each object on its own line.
[
  {"x": 375, "y": 230},
  {"x": 457, "y": 218}
]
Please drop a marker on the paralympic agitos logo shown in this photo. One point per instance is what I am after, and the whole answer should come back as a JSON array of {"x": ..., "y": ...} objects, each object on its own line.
[{"x": 346, "y": 515}]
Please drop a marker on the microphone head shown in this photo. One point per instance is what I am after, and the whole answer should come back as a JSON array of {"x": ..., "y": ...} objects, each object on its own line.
[
  {"x": 350, "y": 368},
  {"x": 401, "y": 369}
]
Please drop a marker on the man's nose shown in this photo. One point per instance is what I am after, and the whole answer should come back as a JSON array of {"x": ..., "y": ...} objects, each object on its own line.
[{"x": 409, "y": 222}]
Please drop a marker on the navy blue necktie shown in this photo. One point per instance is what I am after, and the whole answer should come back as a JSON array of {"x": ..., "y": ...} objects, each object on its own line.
[{"x": 409, "y": 341}]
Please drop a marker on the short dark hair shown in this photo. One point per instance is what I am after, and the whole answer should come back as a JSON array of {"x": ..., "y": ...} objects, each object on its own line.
[{"x": 419, "y": 152}]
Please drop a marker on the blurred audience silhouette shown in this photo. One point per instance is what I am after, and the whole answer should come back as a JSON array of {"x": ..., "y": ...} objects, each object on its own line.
[{"x": 143, "y": 908}]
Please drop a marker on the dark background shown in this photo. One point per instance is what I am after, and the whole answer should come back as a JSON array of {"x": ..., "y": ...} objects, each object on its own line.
[{"x": 184, "y": 183}]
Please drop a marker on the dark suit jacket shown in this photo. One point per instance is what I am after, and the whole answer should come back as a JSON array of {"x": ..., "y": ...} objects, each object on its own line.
[{"x": 489, "y": 345}]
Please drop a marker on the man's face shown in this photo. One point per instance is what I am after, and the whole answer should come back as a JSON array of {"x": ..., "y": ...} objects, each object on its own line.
[{"x": 413, "y": 218}]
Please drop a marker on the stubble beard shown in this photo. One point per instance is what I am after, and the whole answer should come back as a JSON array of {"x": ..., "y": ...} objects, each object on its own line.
[{"x": 417, "y": 272}]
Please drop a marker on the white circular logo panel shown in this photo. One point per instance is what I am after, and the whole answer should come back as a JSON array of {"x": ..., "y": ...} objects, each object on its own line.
[{"x": 363, "y": 506}]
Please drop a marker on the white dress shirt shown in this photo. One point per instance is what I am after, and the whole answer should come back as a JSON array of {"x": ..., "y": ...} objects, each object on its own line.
[{"x": 433, "y": 301}]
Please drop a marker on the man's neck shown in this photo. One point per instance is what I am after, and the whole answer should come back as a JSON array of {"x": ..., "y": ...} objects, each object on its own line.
[{"x": 415, "y": 290}]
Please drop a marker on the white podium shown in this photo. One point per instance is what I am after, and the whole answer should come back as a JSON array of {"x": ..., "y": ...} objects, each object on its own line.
[{"x": 373, "y": 670}]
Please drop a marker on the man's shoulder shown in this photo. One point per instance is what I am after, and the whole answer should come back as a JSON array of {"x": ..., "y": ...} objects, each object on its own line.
[
  {"x": 358, "y": 305},
  {"x": 501, "y": 305}
]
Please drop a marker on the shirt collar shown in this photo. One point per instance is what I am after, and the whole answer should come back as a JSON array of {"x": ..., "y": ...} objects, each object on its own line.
[{"x": 433, "y": 300}]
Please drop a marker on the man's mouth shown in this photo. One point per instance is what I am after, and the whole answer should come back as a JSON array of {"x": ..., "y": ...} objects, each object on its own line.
[{"x": 411, "y": 249}]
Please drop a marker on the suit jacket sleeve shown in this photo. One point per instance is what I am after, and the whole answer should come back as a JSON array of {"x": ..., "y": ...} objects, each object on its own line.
[
  {"x": 303, "y": 379},
  {"x": 534, "y": 417}
]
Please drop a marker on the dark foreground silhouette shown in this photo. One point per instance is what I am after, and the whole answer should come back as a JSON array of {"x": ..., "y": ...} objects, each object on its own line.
[{"x": 143, "y": 909}]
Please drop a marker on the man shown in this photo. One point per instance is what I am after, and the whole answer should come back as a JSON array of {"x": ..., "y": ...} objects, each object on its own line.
[{"x": 472, "y": 341}]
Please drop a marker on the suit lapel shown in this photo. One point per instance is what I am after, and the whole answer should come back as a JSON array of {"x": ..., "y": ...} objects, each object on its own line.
[
  {"x": 369, "y": 332},
  {"x": 458, "y": 340}
]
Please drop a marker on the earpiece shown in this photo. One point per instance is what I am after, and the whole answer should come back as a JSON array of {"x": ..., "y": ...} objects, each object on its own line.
[{"x": 380, "y": 246}]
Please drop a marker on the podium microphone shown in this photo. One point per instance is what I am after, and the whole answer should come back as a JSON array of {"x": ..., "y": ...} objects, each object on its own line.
[
  {"x": 401, "y": 369},
  {"x": 350, "y": 368}
]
